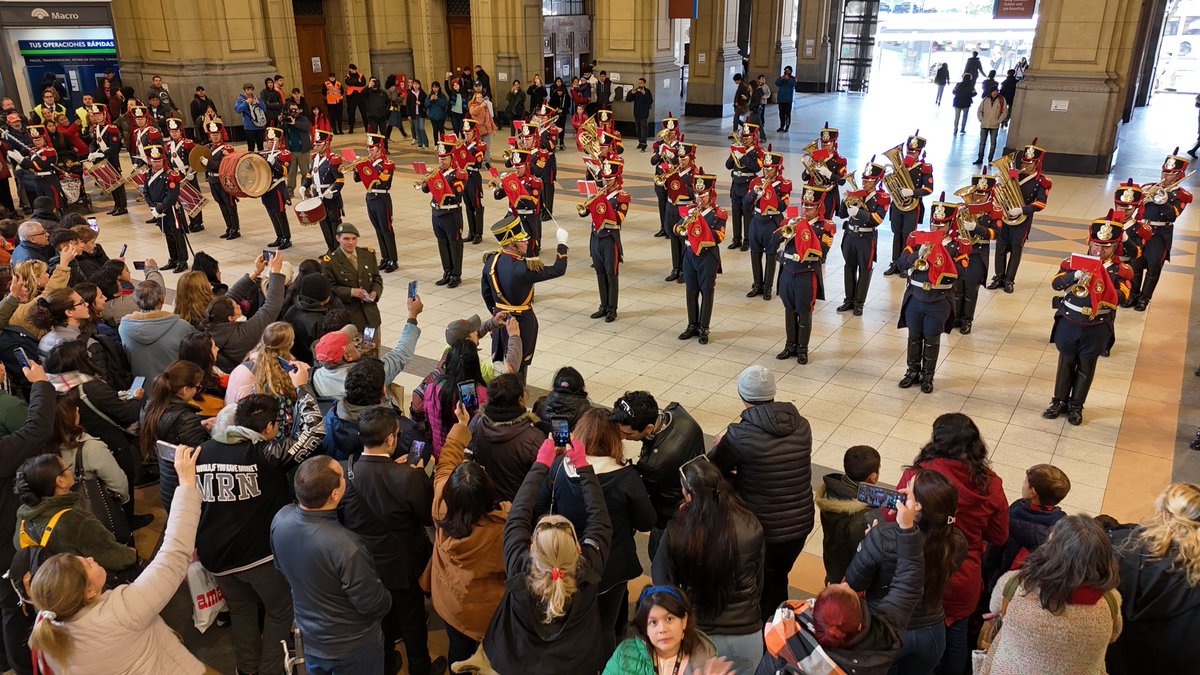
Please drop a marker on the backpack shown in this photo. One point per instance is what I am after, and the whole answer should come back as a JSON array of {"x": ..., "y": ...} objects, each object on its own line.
[{"x": 30, "y": 557}]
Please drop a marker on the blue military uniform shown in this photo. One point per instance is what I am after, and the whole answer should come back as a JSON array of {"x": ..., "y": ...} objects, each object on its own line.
[
  {"x": 1010, "y": 242},
  {"x": 1083, "y": 322},
  {"x": 832, "y": 163},
  {"x": 664, "y": 157},
  {"x": 768, "y": 199},
  {"x": 982, "y": 225},
  {"x": 903, "y": 222},
  {"x": 524, "y": 196},
  {"x": 744, "y": 163},
  {"x": 702, "y": 233},
  {"x": 927, "y": 311},
  {"x": 42, "y": 165},
  {"x": 161, "y": 192},
  {"x": 376, "y": 176},
  {"x": 507, "y": 286},
  {"x": 861, "y": 238},
  {"x": 447, "y": 190},
  {"x": 1162, "y": 209},
  {"x": 546, "y": 168},
  {"x": 324, "y": 179},
  {"x": 473, "y": 195},
  {"x": 226, "y": 202},
  {"x": 179, "y": 151},
  {"x": 1128, "y": 199},
  {"x": 275, "y": 198},
  {"x": 802, "y": 246},
  {"x": 608, "y": 211},
  {"x": 105, "y": 144},
  {"x": 678, "y": 184}
]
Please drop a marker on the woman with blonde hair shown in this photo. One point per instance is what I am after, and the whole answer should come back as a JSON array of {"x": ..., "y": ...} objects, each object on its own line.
[
  {"x": 549, "y": 613},
  {"x": 629, "y": 510},
  {"x": 192, "y": 297},
  {"x": 34, "y": 273},
  {"x": 262, "y": 372},
  {"x": 80, "y": 627},
  {"x": 1159, "y": 567}
]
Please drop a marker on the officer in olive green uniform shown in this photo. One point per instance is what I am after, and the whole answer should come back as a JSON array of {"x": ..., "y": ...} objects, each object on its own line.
[{"x": 354, "y": 271}]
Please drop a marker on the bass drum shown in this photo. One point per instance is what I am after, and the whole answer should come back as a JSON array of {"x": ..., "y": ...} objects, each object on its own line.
[{"x": 245, "y": 174}]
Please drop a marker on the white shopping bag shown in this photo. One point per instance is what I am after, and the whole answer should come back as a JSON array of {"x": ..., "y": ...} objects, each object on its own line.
[{"x": 207, "y": 600}]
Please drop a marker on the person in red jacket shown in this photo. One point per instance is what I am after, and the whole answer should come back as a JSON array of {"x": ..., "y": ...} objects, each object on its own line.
[{"x": 957, "y": 451}]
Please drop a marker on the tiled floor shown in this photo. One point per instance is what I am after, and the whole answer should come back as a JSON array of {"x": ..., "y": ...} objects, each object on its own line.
[{"x": 1001, "y": 374}]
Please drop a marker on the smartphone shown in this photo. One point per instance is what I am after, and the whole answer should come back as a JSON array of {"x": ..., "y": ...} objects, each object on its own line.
[
  {"x": 878, "y": 497},
  {"x": 166, "y": 451},
  {"x": 412, "y": 290},
  {"x": 138, "y": 383},
  {"x": 419, "y": 452},
  {"x": 124, "y": 248},
  {"x": 23, "y": 359},
  {"x": 560, "y": 431},
  {"x": 267, "y": 255},
  {"x": 369, "y": 335},
  {"x": 93, "y": 223},
  {"x": 288, "y": 366},
  {"x": 466, "y": 394},
  {"x": 139, "y": 265}
]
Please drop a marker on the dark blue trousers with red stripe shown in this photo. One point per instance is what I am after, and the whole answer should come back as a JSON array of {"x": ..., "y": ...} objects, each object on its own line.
[
  {"x": 275, "y": 200},
  {"x": 379, "y": 210},
  {"x": 605, "y": 248}
]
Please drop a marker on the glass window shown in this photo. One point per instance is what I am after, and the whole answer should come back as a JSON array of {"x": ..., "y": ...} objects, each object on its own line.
[{"x": 561, "y": 7}]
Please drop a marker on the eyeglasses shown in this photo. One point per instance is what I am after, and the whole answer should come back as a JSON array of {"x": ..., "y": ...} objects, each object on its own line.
[
  {"x": 693, "y": 460},
  {"x": 81, "y": 303},
  {"x": 66, "y": 469}
]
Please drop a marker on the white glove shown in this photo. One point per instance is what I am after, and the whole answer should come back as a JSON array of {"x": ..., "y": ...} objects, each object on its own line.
[
  {"x": 327, "y": 194},
  {"x": 1078, "y": 275},
  {"x": 1015, "y": 211},
  {"x": 15, "y": 156},
  {"x": 561, "y": 235},
  {"x": 1160, "y": 197},
  {"x": 824, "y": 170},
  {"x": 906, "y": 192},
  {"x": 303, "y": 192},
  {"x": 204, "y": 161},
  {"x": 95, "y": 156},
  {"x": 852, "y": 211},
  {"x": 154, "y": 213},
  {"x": 971, "y": 225}
]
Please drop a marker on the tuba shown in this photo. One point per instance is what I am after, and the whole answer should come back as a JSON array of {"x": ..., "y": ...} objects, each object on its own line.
[
  {"x": 1008, "y": 190},
  {"x": 852, "y": 200},
  {"x": 588, "y": 136},
  {"x": 899, "y": 178}
]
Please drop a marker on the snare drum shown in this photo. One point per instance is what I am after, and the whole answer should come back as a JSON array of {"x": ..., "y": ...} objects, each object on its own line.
[
  {"x": 106, "y": 176},
  {"x": 138, "y": 176},
  {"x": 191, "y": 199},
  {"x": 245, "y": 174},
  {"x": 310, "y": 211}
]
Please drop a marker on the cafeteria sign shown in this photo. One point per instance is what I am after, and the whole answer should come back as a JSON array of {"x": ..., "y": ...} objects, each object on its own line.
[{"x": 73, "y": 51}]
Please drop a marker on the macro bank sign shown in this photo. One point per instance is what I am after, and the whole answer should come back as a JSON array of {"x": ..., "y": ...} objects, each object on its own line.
[
  {"x": 41, "y": 14},
  {"x": 67, "y": 14}
]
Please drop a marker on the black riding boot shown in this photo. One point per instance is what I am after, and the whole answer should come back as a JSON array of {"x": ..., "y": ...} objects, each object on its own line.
[
  {"x": 913, "y": 373},
  {"x": 706, "y": 317},
  {"x": 1062, "y": 387},
  {"x": 613, "y": 292},
  {"x": 929, "y": 362},
  {"x": 803, "y": 333},
  {"x": 1085, "y": 372},
  {"x": 789, "y": 326}
]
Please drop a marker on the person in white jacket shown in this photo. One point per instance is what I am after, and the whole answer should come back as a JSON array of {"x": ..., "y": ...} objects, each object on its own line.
[{"x": 992, "y": 112}]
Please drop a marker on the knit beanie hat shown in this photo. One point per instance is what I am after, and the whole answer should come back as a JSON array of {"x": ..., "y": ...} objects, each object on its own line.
[{"x": 756, "y": 384}]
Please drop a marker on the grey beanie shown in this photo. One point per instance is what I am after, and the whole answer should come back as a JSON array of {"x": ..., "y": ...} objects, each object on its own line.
[{"x": 756, "y": 384}]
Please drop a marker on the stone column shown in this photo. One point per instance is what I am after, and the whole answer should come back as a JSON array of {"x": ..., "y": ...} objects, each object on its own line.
[
  {"x": 348, "y": 36},
  {"x": 814, "y": 45},
  {"x": 773, "y": 38},
  {"x": 1074, "y": 91},
  {"x": 428, "y": 38},
  {"x": 506, "y": 37},
  {"x": 390, "y": 39},
  {"x": 633, "y": 40},
  {"x": 714, "y": 60}
]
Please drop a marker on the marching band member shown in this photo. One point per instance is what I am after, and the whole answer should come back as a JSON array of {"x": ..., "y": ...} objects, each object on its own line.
[
  {"x": 143, "y": 135},
  {"x": 547, "y": 164},
  {"x": 446, "y": 187},
  {"x": 678, "y": 184},
  {"x": 226, "y": 202},
  {"x": 606, "y": 121},
  {"x": 275, "y": 198},
  {"x": 524, "y": 194},
  {"x": 508, "y": 279},
  {"x": 106, "y": 145},
  {"x": 376, "y": 176},
  {"x": 1083, "y": 323},
  {"x": 42, "y": 164},
  {"x": 664, "y": 156},
  {"x": 702, "y": 231},
  {"x": 768, "y": 197},
  {"x": 920, "y": 175},
  {"x": 802, "y": 246},
  {"x": 324, "y": 179},
  {"x": 179, "y": 149},
  {"x": 830, "y": 168},
  {"x": 161, "y": 192},
  {"x": 1165, "y": 201},
  {"x": 863, "y": 210},
  {"x": 933, "y": 258},
  {"x": 1019, "y": 219},
  {"x": 980, "y": 219},
  {"x": 475, "y": 155},
  {"x": 608, "y": 210},
  {"x": 744, "y": 163}
]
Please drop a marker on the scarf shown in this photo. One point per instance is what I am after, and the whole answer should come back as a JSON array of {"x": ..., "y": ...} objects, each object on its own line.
[{"x": 65, "y": 382}]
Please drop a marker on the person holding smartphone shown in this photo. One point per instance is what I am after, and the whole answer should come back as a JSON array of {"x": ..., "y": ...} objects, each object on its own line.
[{"x": 354, "y": 271}]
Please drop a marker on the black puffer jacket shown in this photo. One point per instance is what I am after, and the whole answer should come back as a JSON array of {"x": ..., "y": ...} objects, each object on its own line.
[
  {"x": 741, "y": 615},
  {"x": 770, "y": 450},
  {"x": 874, "y": 566},
  {"x": 560, "y": 404},
  {"x": 680, "y": 440},
  {"x": 306, "y": 317},
  {"x": 506, "y": 444}
]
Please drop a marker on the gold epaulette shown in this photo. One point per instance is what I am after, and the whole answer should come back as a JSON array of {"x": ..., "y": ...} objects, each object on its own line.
[
  {"x": 535, "y": 264},
  {"x": 326, "y": 258},
  {"x": 369, "y": 249}
]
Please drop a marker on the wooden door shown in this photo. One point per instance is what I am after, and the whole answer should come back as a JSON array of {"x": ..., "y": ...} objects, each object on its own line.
[
  {"x": 314, "y": 56},
  {"x": 459, "y": 29}
]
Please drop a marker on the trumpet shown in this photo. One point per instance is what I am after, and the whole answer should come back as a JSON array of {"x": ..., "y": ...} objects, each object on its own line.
[
  {"x": 425, "y": 179},
  {"x": 583, "y": 207},
  {"x": 788, "y": 230},
  {"x": 493, "y": 184},
  {"x": 681, "y": 228},
  {"x": 1080, "y": 289},
  {"x": 507, "y": 154},
  {"x": 662, "y": 178},
  {"x": 921, "y": 264},
  {"x": 345, "y": 168}
]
